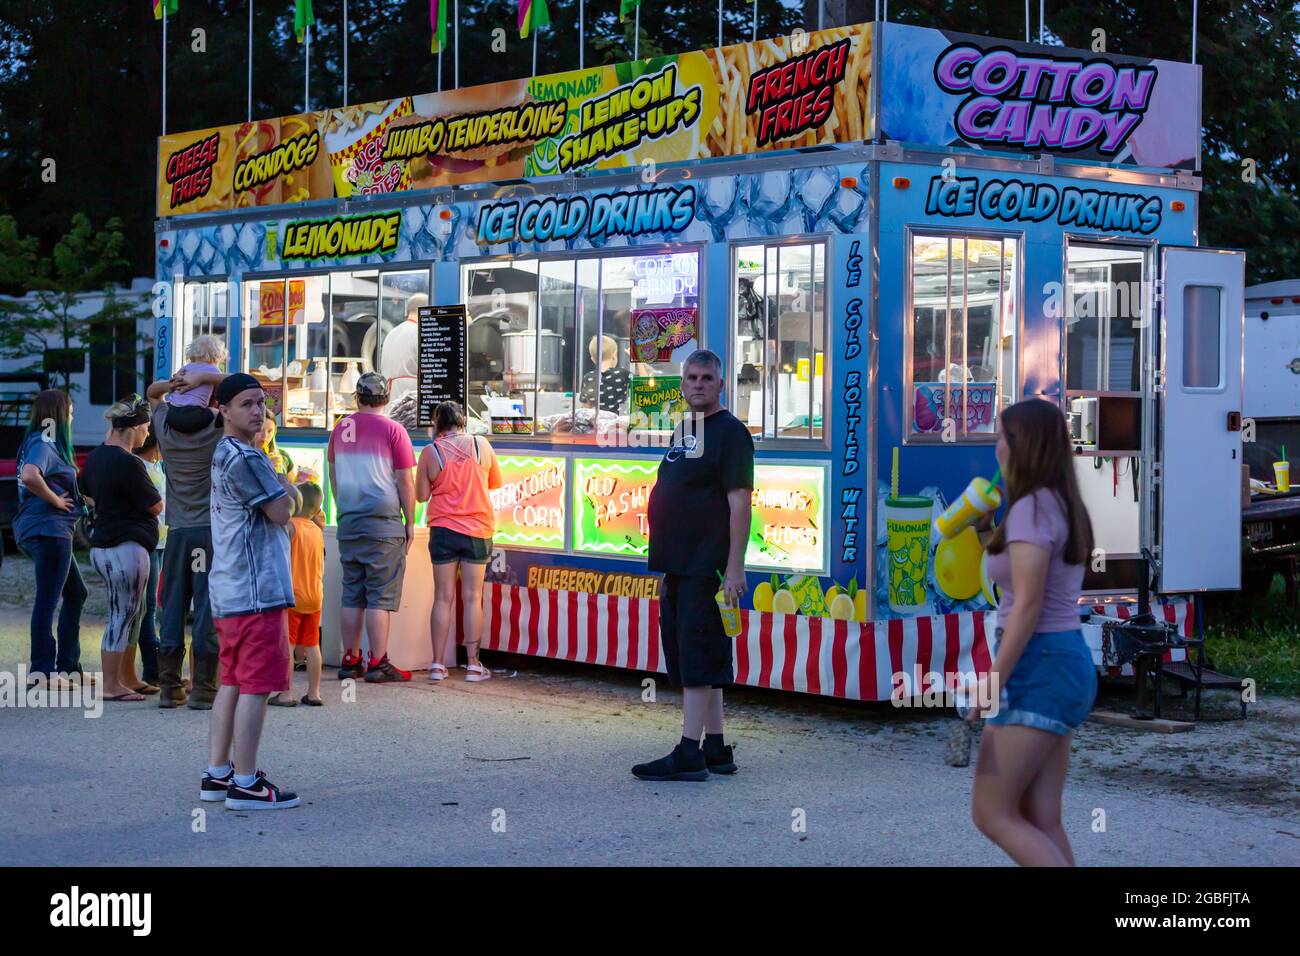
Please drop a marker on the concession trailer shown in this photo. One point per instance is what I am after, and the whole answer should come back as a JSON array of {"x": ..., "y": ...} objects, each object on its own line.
[{"x": 888, "y": 233}]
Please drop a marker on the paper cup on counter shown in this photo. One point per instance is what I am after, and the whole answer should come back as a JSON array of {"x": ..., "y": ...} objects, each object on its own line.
[{"x": 907, "y": 528}]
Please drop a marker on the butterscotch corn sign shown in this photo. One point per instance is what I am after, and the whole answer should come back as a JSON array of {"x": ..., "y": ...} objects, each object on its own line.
[{"x": 783, "y": 93}]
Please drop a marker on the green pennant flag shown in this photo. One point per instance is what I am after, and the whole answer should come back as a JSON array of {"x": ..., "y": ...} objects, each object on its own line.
[
  {"x": 438, "y": 21},
  {"x": 302, "y": 18},
  {"x": 627, "y": 8},
  {"x": 171, "y": 6}
]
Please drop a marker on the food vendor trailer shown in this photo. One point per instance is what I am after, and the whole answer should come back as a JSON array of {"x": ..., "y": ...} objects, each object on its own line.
[{"x": 889, "y": 233}]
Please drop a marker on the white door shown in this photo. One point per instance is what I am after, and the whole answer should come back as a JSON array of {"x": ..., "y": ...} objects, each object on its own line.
[{"x": 1199, "y": 511}]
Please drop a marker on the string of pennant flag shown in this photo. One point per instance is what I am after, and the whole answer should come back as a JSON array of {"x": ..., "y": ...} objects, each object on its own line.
[{"x": 532, "y": 15}]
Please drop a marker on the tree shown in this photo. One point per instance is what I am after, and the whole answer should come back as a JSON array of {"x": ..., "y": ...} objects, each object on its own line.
[
  {"x": 84, "y": 260},
  {"x": 95, "y": 107}
]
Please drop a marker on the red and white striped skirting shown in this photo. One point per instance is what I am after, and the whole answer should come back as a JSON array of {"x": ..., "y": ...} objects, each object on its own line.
[{"x": 811, "y": 655}]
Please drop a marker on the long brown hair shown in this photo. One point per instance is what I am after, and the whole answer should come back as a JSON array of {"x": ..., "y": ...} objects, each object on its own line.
[
  {"x": 1041, "y": 456},
  {"x": 52, "y": 405}
]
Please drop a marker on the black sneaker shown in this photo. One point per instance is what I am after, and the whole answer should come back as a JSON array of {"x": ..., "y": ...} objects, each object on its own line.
[
  {"x": 299, "y": 665},
  {"x": 385, "y": 671},
  {"x": 262, "y": 795},
  {"x": 353, "y": 666},
  {"x": 676, "y": 766},
  {"x": 719, "y": 759},
  {"x": 212, "y": 789}
]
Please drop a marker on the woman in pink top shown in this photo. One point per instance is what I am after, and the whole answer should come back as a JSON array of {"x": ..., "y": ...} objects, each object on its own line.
[
  {"x": 454, "y": 475},
  {"x": 1043, "y": 666}
]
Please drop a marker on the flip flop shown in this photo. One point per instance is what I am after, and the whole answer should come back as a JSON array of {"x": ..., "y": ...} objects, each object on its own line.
[
  {"x": 278, "y": 701},
  {"x": 312, "y": 703},
  {"x": 146, "y": 689},
  {"x": 129, "y": 696}
]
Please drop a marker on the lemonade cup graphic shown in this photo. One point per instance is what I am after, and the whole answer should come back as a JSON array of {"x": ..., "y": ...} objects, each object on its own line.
[{"x": 907, "y": 526}]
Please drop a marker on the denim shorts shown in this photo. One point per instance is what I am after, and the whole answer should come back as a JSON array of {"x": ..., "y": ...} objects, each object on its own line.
[
  {"x": 1053, "y": 685},
  {"x": 446, "y": 546}
]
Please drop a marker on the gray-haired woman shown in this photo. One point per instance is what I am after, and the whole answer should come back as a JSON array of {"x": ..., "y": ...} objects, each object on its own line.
[{"x": 126, "y": 506}]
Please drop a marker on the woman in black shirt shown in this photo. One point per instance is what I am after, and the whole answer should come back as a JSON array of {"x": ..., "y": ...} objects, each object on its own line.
[{"x": 126, "y": 504}]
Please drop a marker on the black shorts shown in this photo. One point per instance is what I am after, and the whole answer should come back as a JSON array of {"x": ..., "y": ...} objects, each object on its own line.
[
  {"x": 697, "y": 651},
  {"x": 446, "y": 546}
]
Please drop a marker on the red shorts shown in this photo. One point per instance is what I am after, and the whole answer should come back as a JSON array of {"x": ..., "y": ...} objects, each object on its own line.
[
  {"x": 255, "y": 652},
  {"x": 304, "y": 629}
]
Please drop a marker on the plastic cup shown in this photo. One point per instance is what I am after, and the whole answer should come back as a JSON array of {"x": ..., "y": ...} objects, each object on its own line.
[
  {"x": 979, "y": 498},
  {"x": 907, "y": 531},
  {"x": 1282, "y": 472},
  {"x": 730, "y": 615}
]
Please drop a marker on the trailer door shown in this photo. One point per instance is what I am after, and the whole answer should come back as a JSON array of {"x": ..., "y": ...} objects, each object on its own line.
[{"x": 1199, "y": 494}]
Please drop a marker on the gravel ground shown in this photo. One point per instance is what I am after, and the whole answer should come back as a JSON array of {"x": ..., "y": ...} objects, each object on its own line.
[{"x": 532, "y": 768}]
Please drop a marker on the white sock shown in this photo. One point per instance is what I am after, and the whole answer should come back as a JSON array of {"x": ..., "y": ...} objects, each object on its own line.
[
  {"x": 243, "y": 780},
  {"x": 222, "y": 770}
]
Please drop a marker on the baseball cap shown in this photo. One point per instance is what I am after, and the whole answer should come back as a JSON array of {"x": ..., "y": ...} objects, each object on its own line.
[
  {"x": 232, "y": 385},
  {"x": 372, "y": 385}
]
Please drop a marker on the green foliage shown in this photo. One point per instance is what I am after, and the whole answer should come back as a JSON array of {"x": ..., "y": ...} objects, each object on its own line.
[{"x": 81, "y": 83}]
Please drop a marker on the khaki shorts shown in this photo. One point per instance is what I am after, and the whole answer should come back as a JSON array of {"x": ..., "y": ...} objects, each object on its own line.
[{"x": 372, "y": 572}]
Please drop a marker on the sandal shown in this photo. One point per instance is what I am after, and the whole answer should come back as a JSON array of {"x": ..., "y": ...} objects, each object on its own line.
[
  {"x": 146, "y": 688},
  {"x": 312, "y": 702},
  {"x": 279, "y": 700},
  {"x": 477, "y": 672},
  {"x": 437, "y": 672},
  {"x": 129, "y": 696}
]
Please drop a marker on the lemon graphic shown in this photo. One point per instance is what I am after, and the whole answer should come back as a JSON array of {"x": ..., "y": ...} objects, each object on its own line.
[
  {"x": 842, "y": 607},
  {"x": 986, "y": 582},
  {"x": 763, "y": 597},
  {"x": 783, "y": 603},
  {"x": 831, "y": 593},
  {"x": 957, "y": 565},
  {"x": 860, "y": 606}
]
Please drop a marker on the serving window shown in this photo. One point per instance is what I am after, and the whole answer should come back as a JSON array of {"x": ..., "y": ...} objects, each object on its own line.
[
  {"x": 777, "y": 374},
  {"x": 963, "y": 336},
  {"x": 205, "y": 310},
  {"x": 308, "y": 339},
  {"x": 564, "y": 347}
]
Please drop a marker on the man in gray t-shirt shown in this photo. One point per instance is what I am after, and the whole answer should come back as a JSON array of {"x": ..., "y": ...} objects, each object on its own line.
[{"x": 187, "y": 437}]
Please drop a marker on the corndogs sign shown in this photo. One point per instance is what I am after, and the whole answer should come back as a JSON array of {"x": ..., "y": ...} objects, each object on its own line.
[{"x": 994, "y": 94}]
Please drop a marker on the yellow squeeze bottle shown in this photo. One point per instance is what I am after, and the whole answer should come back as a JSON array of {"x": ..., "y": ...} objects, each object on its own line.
[{"x": 980, "y": 497}]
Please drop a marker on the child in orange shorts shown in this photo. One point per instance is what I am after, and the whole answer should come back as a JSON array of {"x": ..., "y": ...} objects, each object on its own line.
[{"x": 307, "y": 560}]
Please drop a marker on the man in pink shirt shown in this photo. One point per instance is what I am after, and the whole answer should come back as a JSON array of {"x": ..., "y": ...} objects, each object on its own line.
[{"x": 371, "y": 478}]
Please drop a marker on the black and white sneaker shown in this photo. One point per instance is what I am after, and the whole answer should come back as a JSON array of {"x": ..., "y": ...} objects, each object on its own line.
[
  {"x": 262, "y": 795},
  {"x": 212, "y": 789}
]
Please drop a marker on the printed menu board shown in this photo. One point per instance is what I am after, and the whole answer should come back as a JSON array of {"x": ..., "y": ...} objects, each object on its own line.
[
  {"x": 443, "y": 373},
  {"x": 529, "y": 505}
]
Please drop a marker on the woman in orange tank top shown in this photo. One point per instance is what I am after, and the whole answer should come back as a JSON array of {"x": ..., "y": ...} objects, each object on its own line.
[{"x": 454, "y": 476}]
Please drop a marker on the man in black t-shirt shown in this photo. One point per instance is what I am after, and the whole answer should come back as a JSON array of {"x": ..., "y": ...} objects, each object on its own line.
[{"x": 699, "y": 526}]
